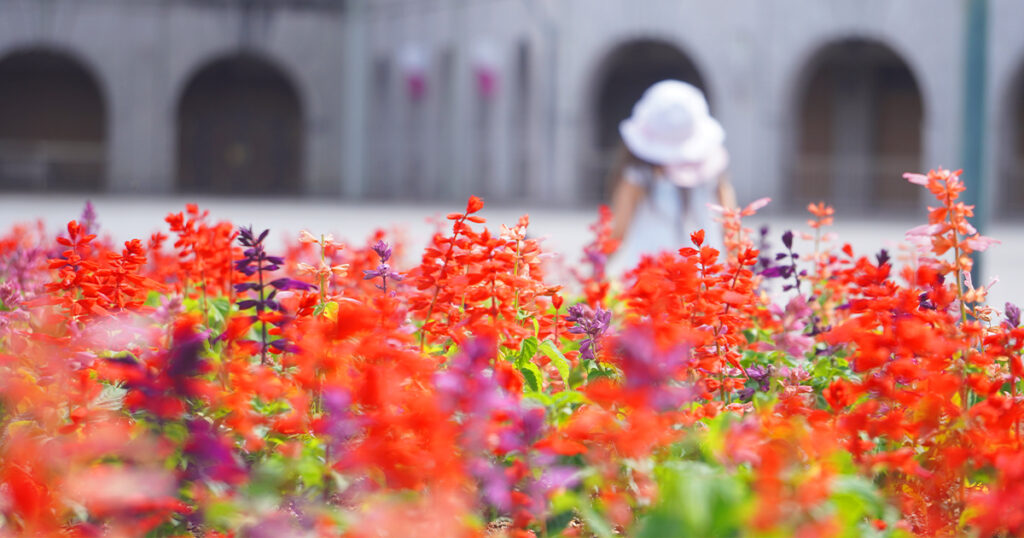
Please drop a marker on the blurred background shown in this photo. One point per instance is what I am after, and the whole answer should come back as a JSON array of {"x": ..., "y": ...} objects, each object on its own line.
[{"x": 518, "y": 101}]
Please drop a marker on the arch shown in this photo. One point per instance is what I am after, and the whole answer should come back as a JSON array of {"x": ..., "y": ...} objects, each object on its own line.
[
  {"x": 857, "y": 117},
  {"x": 1009, "y": 140},
  {"x": 622, "y": 75},
  {"x": 53, "y": 123},
  {"x": 240, "y": 129}
]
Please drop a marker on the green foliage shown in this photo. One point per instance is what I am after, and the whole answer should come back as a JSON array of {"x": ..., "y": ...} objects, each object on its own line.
[{"x": 696, "y": 499}]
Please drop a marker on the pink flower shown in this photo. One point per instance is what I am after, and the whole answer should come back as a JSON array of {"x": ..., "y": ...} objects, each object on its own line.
[
  {"x": 792, "y": 339},
  {"x": 917, "y": 179},
  {"x": 925, "y": 230},
  {"x": 980, "y": 243}
]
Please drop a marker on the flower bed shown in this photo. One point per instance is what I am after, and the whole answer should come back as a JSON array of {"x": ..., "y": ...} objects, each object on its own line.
[{"x": 211, "y": 388}]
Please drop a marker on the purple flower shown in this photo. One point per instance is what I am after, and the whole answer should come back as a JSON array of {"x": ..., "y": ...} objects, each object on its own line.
[
  {"x": 342, "y": 424},
  {"x": 763, "y": 247},
  {"x": 759, "y": 373},
  {"x": 882, "y": 257},
  {"x": 761, "y": 376},
  {"x": 184, "y": 360},
  {"x": 169, "y": 309},
  {"x": 88, "y": 219},
  {"x": 1012, "y": 316},
  {"x": 791, "y": 338},
  {"x": 284, "y": 284},
  {"x": 257, "y": 262},
  {"x": 383, "y": 271},
  {"x": 209, "y": 456},
  {"x": 496, "y": 487},
  {"x": 290, "y": 521},
  {"x": 784, "y": 270},
  {"x": 787, "y": 239},
  {"x": 597, "y": 259},
  {"x": 383, "y": 250},
  {"x": 20, "y": 268},
  {"x": 469, "y": 390},
  {"x": 468, "y": 386},
  {"x": 647, "y": 368},
  {"x": 10, "y": 298},
  {"x": 11, "y": 309},
  {"x": 591, "y": 323},
  {"x": 557, "y": 477}
]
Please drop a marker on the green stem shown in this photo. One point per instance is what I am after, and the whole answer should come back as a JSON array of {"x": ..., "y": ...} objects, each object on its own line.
[
  {"x": 440, "y": 276},
  {"x": 515, "y": 274},
  {"x": 259, "y": 310},
  {"x": 958, "y": 269}
]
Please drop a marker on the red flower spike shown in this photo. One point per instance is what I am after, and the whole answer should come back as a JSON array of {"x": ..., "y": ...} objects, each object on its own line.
[
  {"x": 474, "y": 204},
  {"x": 697, "y": 238}
]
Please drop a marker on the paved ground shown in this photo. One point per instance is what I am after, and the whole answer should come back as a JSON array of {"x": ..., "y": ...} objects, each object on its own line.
[{"x": 566, "y": 230}]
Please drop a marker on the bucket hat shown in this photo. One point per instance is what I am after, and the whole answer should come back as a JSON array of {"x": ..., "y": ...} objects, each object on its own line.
[{"x": 670, "y": 125}]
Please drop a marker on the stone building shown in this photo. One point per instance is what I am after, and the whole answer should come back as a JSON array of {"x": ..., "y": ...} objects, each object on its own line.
[{"x": 514, "y": 100}]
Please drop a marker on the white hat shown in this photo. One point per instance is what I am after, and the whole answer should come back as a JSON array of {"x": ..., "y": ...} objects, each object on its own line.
[{"x": 670, "y": 124}]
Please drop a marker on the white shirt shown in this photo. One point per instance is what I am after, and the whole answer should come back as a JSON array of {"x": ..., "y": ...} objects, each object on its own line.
[{"x": 676, "y": 204}]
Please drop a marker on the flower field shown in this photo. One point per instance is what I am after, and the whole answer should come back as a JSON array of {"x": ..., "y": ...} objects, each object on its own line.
[{"x": 194, "y": 384}]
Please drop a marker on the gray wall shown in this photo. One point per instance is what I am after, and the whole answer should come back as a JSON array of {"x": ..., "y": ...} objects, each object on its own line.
[{"x": 752, "y": 54}]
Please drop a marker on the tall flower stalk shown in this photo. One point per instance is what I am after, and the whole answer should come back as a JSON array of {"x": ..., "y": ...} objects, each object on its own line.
[
  {"x": 383, "y": 271},
  {"x": 591, "y": 323},
  {"x": 324, "y": 271},
  {"x": 438, "y": 276},
  {"x": 257, "y": 262},
  {"x": 949, "y": 229},
  {"x": 823, "y": 216}
]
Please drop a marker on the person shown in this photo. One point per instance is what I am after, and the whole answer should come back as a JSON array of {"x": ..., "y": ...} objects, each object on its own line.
[{"x": 672, "y": 167}]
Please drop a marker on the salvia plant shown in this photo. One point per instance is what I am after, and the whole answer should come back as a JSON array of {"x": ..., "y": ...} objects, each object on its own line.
[
  {"x": 209, "y": 388},
  {"x": 269, "y": 312}
]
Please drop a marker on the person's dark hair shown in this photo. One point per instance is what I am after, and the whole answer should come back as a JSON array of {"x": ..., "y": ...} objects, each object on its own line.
[{"x": 624, "y": 159}]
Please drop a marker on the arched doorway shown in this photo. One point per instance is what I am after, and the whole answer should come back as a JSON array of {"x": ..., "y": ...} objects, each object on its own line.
[
  {"x": 1010, "y": 145},
  {"x": 859, "y": 123},
  {"x": 53, "y": 133},
  {"x": 628, "y": 70},
  {"x": 240, "y": 130}
]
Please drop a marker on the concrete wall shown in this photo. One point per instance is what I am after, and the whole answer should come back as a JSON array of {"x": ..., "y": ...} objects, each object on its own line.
[
  {"x": 143, "y": 54},
  {"x": 752, "y": 54}
]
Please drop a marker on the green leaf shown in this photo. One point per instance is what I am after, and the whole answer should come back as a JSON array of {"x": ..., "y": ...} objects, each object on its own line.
[
  {"x": 567, "y": 397},
  {"x": 220, "y": 307},
  {"x": 561, "y": 363},
  {"x": 533, "y": 376},
  {"x": 764, "y": 401},
  {"x": 110, "y": 398},
  {"x": 564, "y": 501},
  {"x": 526, "y": 351},
  {"x": 596, "y": 373},
  {"x": 175, "y": 431},
  {"x": 594, "y": 521},
  {"x": 311, "y": 472},
  {"x": 221, "y": 513},
  {"x": 557, "y": 522},
  {"x": 153, "y": 298},
  {"x": 332, "y": 310},
  {"x": 696, "y": 500},
  {"x": 855, "y": 498},
  {"x": 540, "y": 398},
  {"x": 576, "y": 375}
]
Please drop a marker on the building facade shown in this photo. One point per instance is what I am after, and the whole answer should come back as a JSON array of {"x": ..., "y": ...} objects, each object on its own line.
[{"x": 513, "y": 100}]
